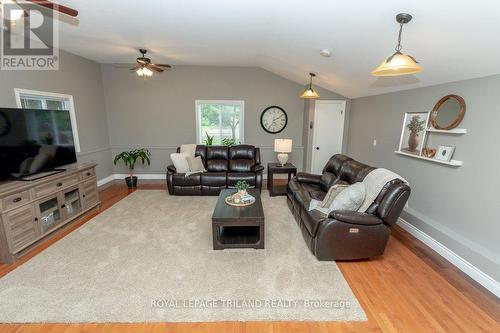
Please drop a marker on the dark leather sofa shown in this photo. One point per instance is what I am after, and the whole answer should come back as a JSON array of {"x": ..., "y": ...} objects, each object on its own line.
[
  {"x": 345, "y": 235},
  {"x": 225, "y": 166}
]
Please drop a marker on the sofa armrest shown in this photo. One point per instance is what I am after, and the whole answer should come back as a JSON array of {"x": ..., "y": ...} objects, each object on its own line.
[
  {"x": 304, "y": 177},
  {"x": 171, "y": 169},
  {"x": 354, "y": 217},
  {"x": 257, "y": 168}
]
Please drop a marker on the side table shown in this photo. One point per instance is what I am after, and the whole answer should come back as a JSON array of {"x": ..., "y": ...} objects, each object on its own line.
[{"x": 276, "y": 168}]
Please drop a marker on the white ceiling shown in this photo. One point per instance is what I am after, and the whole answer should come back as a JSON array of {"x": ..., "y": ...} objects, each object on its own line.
[{"x": 453, "y": 39}]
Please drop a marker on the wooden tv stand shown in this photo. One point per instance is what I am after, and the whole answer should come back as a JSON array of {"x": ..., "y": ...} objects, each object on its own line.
[{"x": 32, "y": 210}]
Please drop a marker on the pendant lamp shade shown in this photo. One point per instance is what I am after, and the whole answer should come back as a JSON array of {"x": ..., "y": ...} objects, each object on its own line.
[
  {"x": 310, "y": 93},
  {"x": 398, "y": 63}
]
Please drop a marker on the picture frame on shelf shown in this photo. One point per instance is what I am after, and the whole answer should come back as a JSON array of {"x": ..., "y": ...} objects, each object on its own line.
[
  {"x": 445, "y": 153},
  {"x": 413, "y": 133}
]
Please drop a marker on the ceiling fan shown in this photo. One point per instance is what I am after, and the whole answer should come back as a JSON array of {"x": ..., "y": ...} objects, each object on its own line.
[
  {"x": 17, "y": 11},
  {"x": 145, "y": 67}
]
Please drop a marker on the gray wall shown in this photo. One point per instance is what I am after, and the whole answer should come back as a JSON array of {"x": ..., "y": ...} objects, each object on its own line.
[
  {"x": 456, "y": 206},
  {"x": 82, "y": 79},
  {"x": 159, "y": 113},
  {"x": 308, "y": 118}
]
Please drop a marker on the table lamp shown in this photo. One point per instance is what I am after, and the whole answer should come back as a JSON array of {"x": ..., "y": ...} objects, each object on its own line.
[{"x": 283, "y": 147}]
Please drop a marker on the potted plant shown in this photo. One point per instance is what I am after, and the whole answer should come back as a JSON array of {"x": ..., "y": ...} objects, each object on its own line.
[
  {"x": 415, "y": 126},
  {"x": 209, "y": 140},
  {"x": 129, "y": 158},
  {"x": 229, "y": 142},
  {"x": 242, "y": 187}
]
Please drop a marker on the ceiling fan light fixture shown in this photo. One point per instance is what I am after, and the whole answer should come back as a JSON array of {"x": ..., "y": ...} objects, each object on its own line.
[
  {"x": 398, "y": 63},
  {"x": 144, "y": 71},
  {"x": 310, "y": 93}
]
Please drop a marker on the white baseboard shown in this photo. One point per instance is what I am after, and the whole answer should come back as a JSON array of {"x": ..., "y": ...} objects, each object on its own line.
[
  {"x": 103, "y": 181},
  {"x": 115, "y": 176},
  {"x": 141, "y": 176},
  {"x": 475, "y": 273}
]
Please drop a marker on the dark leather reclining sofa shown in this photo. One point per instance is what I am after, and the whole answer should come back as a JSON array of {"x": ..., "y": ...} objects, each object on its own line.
[
  {"x": 225, "y": 166},
  {"x": 345, "y": 235}
]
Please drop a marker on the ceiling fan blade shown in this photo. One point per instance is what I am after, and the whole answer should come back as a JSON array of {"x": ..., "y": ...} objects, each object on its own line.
[
  {"x": 163, "y": 65},
  {"x": 136, "y": 67},
  {"x": 60, "y": 8},
  {"x": 155, "y": 68}
]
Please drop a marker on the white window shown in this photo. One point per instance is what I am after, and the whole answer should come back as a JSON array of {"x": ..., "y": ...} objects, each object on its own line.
[
  {"x": 60, "y": 130},
  {"x": 219, "y": 121}
]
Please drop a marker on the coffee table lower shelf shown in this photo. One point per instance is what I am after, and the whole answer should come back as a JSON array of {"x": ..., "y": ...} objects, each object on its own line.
[{"x": 238, "y": 236}]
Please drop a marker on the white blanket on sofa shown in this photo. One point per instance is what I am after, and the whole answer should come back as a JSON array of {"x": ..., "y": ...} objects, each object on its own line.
[{"x": 374, "y": 183}]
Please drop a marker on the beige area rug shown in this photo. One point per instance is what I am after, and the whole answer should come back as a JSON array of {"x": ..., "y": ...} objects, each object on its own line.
[{"x": 149, "y": 258}]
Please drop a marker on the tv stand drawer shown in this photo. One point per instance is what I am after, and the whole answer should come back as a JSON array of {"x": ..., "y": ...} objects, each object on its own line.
[
  {"x": 54, "y": 186},
  {"x": 15, "y": 200},
  {"x": 87, "y": 174}
]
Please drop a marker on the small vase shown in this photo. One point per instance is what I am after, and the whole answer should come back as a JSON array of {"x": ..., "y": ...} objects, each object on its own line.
[
  {"x": 413, "y": 142},
  {"x": 242, "y": 192}
]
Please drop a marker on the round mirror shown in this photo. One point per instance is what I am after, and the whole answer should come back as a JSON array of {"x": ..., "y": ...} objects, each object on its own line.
[{"x": 448, "y": 112}]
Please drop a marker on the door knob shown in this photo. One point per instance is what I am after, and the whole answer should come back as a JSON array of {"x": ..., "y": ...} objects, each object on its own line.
[{"x": 317, "y": 148}]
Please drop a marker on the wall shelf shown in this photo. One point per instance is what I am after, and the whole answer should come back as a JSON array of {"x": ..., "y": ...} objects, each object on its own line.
[
  {"x": 453, "y": 163},
  {"x": 452, "y": 131}
]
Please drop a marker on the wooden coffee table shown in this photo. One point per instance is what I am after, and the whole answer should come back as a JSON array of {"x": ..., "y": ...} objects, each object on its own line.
[{"x": 238, "y": 227}]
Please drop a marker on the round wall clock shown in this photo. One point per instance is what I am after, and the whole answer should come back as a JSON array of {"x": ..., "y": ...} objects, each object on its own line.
[
  {"x": 273, "y": 119},
  {"x": 4, "y": 124}
]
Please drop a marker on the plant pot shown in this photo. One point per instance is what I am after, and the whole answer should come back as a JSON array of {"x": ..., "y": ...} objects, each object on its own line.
[
  {"x": 131, "y": 181},
  {"x": 413, "y": 142},
  {"x": 242, "y": 192}
]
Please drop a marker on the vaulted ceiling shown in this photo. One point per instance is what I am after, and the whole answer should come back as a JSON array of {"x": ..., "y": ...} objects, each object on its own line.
[{"x": 453, "y": 40}]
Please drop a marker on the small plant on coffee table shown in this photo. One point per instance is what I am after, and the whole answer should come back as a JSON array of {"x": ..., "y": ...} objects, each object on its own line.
[
  {"x": 242, "y": 186},
  {"x": 129, "y": 158}
]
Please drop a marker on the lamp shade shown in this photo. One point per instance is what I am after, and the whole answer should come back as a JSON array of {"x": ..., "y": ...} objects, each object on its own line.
[
  {"x": 309, "y": 93},
  {"x": 400, "y": 64},
  {"x": 283, "y": 145}
]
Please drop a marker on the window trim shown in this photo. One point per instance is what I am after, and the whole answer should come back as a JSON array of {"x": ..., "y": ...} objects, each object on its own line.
[
  {"x": 241, "y": 104},
  {"x": 47, "y": 95}
]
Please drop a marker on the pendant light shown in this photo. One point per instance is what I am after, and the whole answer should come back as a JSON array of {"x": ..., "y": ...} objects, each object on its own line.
[
  {"x": 310, "y": 93},
  {"x": 398, "y": 63}
]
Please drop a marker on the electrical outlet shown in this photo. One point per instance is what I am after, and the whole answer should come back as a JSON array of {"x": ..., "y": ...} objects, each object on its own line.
[{"x": 374, "y": 142}]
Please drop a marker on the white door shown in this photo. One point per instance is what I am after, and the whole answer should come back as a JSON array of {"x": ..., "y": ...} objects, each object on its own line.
[{"x": 328, "y": 132}]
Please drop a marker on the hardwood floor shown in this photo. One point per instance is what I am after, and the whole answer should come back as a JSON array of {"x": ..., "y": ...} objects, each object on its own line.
[{"x": 410, "y": 289}]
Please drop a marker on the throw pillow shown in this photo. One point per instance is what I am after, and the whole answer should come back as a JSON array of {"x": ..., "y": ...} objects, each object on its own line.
[
  {"x": 189, "y": 149},
  {"x": 195, "y": 164},
  {"x": 331, "y": 194},
  {"x": 351, "y": 198},
  {"x": 180, "y": 162}
]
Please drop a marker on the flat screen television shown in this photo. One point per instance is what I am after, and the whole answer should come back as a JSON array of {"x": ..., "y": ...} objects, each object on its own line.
[{"x": 34, "y": 141}]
